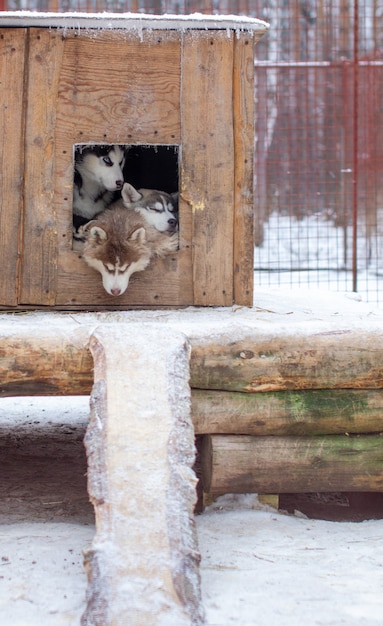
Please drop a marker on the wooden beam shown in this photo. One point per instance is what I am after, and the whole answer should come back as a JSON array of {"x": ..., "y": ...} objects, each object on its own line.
[
  {"x": 40, "y": 242},
  {"x": 143, "y": 564},
  {"x": 207, "y": 174},
  {"x": 241, "y": 464},
  {"x": 12, "y": 102},
  {"x": 243, "y": 120}
]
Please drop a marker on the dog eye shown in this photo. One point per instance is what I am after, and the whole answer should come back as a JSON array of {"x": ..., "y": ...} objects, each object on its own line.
[
  {"x": 156, "y": 209},
  {"x": 108, "y": 161}
]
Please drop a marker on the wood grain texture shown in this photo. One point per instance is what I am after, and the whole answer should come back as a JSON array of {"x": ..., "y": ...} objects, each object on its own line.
[
  {"x": 12, "y": 60},
  {"x": 118, "y": 88},
  {"x": 208, "y": 161},
  {"x": 235, "y": 464},
  {"x": 243, "y": 119},
  {"x": 40, "y": 242},
  {"x": 163, "y": 283}
]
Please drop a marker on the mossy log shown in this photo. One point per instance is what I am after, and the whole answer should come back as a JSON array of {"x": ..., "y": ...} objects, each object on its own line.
[
  {"x": 241, "y": 464},
  {"x": 302, "y": 412}
]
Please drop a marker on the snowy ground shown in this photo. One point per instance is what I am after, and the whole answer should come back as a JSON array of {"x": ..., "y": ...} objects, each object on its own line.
[{"x": 259, "y": 567}]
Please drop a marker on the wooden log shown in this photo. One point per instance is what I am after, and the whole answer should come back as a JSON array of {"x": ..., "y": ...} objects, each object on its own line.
[
  {"x": 302, "y": 412},
  {"x": 143, "y": 564},
  {"x": 44, "y": 358},
  {"x": 307, "y": 357},
  {"x": 241, "y": 464}
]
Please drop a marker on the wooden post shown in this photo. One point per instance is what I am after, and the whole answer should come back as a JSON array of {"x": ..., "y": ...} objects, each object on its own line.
[{"x": 143, "y": 564}]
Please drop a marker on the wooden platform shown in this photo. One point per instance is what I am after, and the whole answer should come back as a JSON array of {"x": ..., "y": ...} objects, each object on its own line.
[{"x": 283, "y": 399}]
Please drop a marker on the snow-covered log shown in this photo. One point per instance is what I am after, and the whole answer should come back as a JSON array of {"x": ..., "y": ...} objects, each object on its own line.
[{"x": 143, "y": 566}]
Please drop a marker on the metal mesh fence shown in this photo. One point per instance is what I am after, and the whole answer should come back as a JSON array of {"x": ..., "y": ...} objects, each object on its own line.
[
  {"x": 319, "y": 134},
  {"x": 319, "y": 149}
]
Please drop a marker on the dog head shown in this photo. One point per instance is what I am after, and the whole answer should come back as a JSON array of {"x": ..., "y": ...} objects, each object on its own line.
[
  {"x": 102, "y": 164},
  {"x": 116, "y": 249},
  {"x": 158, "y": 208}
]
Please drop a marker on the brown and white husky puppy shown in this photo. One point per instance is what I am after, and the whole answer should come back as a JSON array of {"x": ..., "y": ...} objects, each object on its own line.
[
  {"x": 119, "y": 243},
  {"x": 158, "y": 208}
]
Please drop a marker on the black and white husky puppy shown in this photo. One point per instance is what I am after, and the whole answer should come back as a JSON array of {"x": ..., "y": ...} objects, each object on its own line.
[
  {"x": 158, "y": 208},
  {"x": 98, "y": 175}
]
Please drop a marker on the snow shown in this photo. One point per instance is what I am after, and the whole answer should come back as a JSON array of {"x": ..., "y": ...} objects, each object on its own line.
[
  {"x": 259, "y": 566},
  {"x": 265, "y": 568},
  {"x": 136, "y": 21}
]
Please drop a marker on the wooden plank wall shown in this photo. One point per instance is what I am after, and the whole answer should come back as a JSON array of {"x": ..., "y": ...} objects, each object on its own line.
[
  {"x": 12, "y": 60},
  {"x": 113, "y": 88},
  {"x": 40, "y": 249},
  {"x": 207, "y": 183},
  {"x": 193, "y": 89},
  {"x": 243, "y": 119}
]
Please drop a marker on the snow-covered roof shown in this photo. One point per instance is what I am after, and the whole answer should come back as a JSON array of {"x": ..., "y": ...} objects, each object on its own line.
[{"x": 194, "y": 21}]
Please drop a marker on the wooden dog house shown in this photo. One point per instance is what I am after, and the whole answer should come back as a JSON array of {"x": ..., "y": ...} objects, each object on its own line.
[{"x": 183, "y": 81}]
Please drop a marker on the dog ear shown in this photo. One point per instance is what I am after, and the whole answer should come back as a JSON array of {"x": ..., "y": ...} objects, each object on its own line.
[
  {"x": 175, "y": 196},
  {"x": 95, "y": 232},
  {"x": 138, "y": 235},
  {"x": 129, "y": 194}
]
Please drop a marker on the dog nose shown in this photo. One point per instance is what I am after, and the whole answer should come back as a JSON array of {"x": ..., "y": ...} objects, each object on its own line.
[
  {"x": 119, "y": 184},
  {"x": 116, "y": 291},
  {"x": 172, "y": 222}
]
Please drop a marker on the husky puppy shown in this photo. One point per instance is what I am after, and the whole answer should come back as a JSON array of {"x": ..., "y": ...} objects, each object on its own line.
[
  {"x": 119, "y": 243},
  {"x": 98, "y": 175},
  {"x": 158, "y": 208}
]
